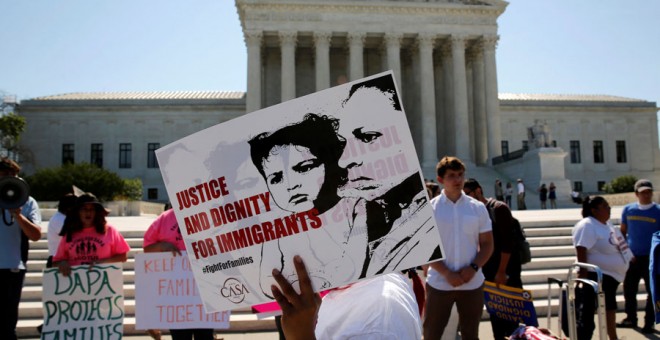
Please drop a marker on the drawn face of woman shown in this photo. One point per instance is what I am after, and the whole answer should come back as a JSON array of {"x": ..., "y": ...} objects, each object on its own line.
[
  {"x": 87, "y": 213},
  {"x": 292, "y": 175},
  {"x": 372, "y": 142}
]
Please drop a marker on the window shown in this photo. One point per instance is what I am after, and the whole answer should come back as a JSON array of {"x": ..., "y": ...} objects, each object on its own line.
[
  {"x": 525, "y": 145},
  {"x": 599, "y": 157},
  {"x": 152, "y": 162},
  {"x": 97, "y": 155},
  {"x": 575, "y": 152},
  {"x": 505, "y": 147},
  {"x": 600, "y": 185},
  {"x": 577, "y": 186},
  {"x": 621, "y": 151},
  {"x": 67, "y": 154},
  {"x": 125, "y": 154},
  {"x": 152, "y": 193}
]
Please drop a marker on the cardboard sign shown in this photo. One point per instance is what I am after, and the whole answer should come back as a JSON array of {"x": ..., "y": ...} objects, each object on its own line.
[
  {"x": 88, "y": 304},
  {"x": 332, "y": 177},
  {"x": 166, "y": 295},
  {"x": 510, "y": 303}
]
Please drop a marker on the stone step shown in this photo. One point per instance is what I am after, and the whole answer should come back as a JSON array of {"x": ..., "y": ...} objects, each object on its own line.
[
  {"x": 553, "y": 231},
  {"x": 550, "y": 241},
  {"x": 548, "y": 251},
  {"x": 549, "y": 262}
]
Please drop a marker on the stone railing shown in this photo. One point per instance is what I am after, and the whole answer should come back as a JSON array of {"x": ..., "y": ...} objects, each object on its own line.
[{"x": 509, "y": 156}]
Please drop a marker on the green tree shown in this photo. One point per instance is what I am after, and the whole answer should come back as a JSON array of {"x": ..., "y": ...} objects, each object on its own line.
[
  {"x": 625, "y": 183},
  {"x": 49, "y": 184},
  {"x": 11, "y": 128}
]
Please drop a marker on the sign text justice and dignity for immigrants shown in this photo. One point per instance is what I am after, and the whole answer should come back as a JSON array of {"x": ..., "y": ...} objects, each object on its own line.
[{"x": 332, "y": 177}]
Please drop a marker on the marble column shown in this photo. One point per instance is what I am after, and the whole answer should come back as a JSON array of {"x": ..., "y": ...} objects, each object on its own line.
[
  {"x": 462, "y": 138},
  {"x": 492, "y": 100},
  {"x": 440, "y": 120},
  {"x": 253, "y": 41},
  {"x": 288, "y": 46},
  {"x": 393, "y": 49},
  {"x": 427, "y": 87},
  {"x": 448, "y": 99},
  {"x": 322, "y": 63},
  {"x": 356, "y": 55},
  {"x": 479, "y": 96}
]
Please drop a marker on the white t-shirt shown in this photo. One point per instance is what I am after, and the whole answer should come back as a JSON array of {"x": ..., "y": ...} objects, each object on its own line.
[
  {"x": 459, "y": 224},
  {"x": 521, "y": 188},
  {"x": 602, "y": 246},
  {"x": 54, "y": 227},
  {"x": 383, "y": 307}
]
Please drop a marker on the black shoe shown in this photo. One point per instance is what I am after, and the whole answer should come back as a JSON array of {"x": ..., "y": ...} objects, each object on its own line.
[
  {"x": 627, "y": 323},
  {"x": 648, "y": 329}
]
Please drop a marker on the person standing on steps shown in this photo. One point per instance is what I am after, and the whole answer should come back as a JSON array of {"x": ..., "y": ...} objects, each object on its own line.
[
  {"x": 502, "y": 267},
  {"x": 639, "y": 221},
  {"x": 17, "y": 227},
  {"x": 521, "y": 195}
]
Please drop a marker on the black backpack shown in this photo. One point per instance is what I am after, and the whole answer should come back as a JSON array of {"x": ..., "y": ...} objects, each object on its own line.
[{"x": 521, "y": 243}]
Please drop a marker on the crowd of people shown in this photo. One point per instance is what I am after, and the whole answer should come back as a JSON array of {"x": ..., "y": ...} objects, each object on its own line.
[
  {"x": 477, "y": 246},
  {"x": 477, "y": 234}
]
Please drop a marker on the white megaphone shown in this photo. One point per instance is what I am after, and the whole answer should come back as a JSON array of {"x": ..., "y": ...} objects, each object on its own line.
[{"x": 14, "y": 192}]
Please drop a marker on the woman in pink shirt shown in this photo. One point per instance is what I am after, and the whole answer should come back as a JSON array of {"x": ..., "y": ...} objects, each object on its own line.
[
  {"x": 164, "y": 235},
  {"x": 87, "y": 238}
]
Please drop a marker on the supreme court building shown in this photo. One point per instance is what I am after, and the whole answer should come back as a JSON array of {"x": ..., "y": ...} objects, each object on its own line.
[{"x": 443, "y": 55}]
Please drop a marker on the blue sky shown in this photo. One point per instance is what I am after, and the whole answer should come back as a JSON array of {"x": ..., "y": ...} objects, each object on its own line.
[{"x": 546, "y": 46}]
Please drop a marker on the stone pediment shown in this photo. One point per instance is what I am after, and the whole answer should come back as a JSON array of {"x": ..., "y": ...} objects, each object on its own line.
[
  {"x": 464, "y": 2},
  {"x": 310, "y": 15}
]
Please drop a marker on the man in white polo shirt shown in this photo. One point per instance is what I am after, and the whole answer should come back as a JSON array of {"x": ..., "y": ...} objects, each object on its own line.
[{"x": 465, "y": 229}]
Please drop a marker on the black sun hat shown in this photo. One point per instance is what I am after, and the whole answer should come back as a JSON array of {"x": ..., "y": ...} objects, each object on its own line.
[{"x": 89, "y": 198}]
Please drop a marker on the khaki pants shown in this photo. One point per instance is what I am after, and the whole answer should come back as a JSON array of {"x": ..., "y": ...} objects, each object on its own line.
[
  {"x": 521, "y": 202},
  {"x": 439, "y": 303}
]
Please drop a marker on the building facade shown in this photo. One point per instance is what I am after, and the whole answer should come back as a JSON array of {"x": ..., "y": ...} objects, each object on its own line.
[{"x": 442, "y": 54}]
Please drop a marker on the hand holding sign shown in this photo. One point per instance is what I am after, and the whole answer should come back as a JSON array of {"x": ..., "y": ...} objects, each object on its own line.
[{"x": 65, "y": 268}]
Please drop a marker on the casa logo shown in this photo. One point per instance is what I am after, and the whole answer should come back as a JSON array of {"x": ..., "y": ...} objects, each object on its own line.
[
  {"x": 233, "y": 290},
  {"x": 526, "y": 295}
]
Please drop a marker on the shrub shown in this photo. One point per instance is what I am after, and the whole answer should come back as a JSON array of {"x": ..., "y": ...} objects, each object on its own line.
[
  {"x": 625, "y": 183},
  {"x": 132, "y": 190},
  {"x": 50, "y": 184}
]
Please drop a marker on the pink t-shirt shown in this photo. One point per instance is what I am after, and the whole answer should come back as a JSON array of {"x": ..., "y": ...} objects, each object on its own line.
[
  {"x": 87, "y": 245},
  {"x": 164, "y": 229}
]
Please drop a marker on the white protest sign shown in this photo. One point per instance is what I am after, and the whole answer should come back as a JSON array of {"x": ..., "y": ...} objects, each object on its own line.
[
  {"x": 332, "y": 177},
  {"x": 166, "y": 295},
  {"x": 88, "y": 304}
]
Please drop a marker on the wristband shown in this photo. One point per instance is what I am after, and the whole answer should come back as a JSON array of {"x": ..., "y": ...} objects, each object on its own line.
[{"x": 474, "y": 266}]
